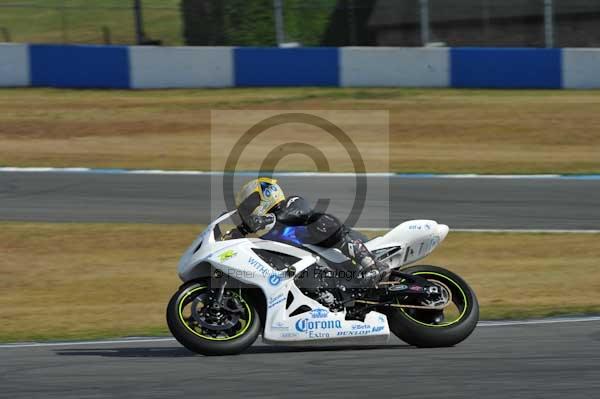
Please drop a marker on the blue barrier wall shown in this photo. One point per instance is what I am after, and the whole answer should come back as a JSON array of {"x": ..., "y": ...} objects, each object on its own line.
[
  {"x": 506, "y": 68},
  {"x": 261, "y": 66},
  {"x": 165, "y": 67},
  {"x": 79, "y": 66}
]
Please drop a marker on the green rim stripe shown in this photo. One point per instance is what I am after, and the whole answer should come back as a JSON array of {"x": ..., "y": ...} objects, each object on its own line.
[
  {"x": 187, "y": 294},
  {"x": 445, "y": 324}
]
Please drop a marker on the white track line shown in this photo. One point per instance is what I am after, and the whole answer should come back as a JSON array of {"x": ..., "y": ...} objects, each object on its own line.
[
  {"x": 152, "y": 340},
  {"x": 525, "y": 231},
  {"x": 297, "y": 174},
  {"x": 530, "y": 231},
  {"x": 80, "y": 343},
  {"x": 539, "y": 321}
]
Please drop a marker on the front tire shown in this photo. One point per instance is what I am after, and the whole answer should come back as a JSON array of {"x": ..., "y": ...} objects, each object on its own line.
[
  {"x": 430, "y": 328},
  {"x": 225, "y": 331}
]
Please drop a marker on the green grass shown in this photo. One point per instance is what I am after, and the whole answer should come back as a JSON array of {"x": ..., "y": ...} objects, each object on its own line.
[{"x": 81, "y": 21}]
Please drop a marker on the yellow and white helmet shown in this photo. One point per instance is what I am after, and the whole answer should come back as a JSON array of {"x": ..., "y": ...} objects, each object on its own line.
[{"x": 259, "y": 196}]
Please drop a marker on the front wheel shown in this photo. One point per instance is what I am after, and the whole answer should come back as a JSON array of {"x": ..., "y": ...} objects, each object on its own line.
[
  {"x": 437, "y": 328},
  {"x": 205, "y": 325}
]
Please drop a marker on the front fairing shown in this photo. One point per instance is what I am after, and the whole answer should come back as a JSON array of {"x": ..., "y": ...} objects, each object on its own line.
[{"x": 200, "y": 249}]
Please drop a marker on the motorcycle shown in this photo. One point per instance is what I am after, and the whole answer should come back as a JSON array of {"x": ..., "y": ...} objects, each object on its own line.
[{"x": 235, "y": 289}]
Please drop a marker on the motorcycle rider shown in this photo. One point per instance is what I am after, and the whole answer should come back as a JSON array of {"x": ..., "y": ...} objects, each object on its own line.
[{"x": 263, "y": 209}]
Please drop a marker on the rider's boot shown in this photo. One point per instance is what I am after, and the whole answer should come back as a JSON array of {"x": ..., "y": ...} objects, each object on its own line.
[{"x": 369, "y": 271}]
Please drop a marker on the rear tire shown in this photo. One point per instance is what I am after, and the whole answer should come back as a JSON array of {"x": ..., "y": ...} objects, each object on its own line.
[
  {"x": 194, "y": 338},
  {"x": 423, "y": 328}
]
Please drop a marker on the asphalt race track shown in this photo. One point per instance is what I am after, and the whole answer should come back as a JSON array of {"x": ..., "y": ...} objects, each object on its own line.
[
  {"x": 483, "y": 203},
  {"x": 527, "y": 361}
]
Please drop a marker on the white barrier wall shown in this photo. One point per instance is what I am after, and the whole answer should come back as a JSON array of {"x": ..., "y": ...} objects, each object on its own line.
[
  {"x": 180, "y": 67},
  {"x": 581, "y": 68},
  {"x": 14, "y": 65},
  {"x": 395, "y": 67}
]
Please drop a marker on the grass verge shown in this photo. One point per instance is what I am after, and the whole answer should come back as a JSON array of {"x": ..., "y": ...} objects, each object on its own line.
[
  {"x": 438, "y": 131},
  {"x": 76, "y": 281},
  {"x": 82, "y": 21}
]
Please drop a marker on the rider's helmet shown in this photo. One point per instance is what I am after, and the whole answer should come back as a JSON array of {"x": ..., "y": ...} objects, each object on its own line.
[{"x": 259, "y": 196}]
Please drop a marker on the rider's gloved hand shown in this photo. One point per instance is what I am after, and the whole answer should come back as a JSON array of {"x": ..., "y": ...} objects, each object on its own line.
[{"x": 253, "y": 223}]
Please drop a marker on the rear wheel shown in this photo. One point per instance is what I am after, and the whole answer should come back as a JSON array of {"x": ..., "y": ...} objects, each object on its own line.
[
  {"x": 204, "y": 325},
  {"x": 437, "y": 328}
]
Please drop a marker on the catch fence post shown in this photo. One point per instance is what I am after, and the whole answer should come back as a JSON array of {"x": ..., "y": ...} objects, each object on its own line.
[
  {"x": 5, "y": 34},
  {"x": 139, "y": 22},
  {"x": 63, "y": 22},
  {"x": 424, "y": 21},
  {"x": 279, "y": 29},
  {"x": 549, "y": 23}
]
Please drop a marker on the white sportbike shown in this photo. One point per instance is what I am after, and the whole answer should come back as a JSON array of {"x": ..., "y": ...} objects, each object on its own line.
[{"x": 298, "y": 294}]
